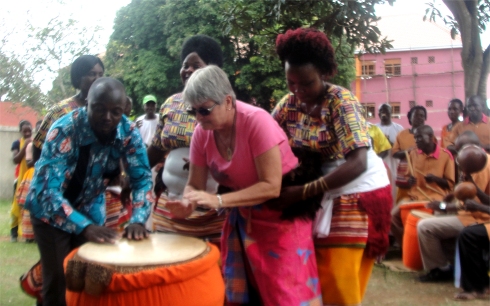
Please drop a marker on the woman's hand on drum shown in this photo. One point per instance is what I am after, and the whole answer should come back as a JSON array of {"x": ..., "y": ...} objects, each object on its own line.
[
  {"x": 202, "y": 198},
  {"x": 180, "y": 209},
  {"x": 135, "y": 231},
  {"x": 100, "y": 234}
]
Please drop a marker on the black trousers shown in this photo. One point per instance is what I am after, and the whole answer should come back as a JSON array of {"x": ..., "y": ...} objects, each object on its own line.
[
  {"x": 473, "y": 241},
  {"x": 54, "y": 245}
]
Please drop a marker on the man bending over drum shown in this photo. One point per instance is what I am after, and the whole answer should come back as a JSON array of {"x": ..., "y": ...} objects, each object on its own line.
[{"x": 66, "y": 199}]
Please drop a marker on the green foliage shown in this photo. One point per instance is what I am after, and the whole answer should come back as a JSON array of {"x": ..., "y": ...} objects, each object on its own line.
[
  {"x": 17, "y": 83},
  {"x": 62, "y": 87},
  {"x": 144, "y": 50}
]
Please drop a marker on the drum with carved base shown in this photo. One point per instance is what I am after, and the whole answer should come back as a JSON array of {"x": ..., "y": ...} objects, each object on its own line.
[{"x": 165, "y": 269}]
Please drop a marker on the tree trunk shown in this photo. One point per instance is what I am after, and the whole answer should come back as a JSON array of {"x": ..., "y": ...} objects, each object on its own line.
[{"x": 475, "y": 72}]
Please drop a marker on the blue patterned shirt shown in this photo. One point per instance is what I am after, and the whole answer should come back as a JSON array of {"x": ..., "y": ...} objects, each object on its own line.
[{"x": 57, "y": 164}]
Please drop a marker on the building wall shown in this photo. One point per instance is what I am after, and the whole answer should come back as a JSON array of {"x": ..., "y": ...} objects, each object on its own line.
[
  {"x": 438, "y": 82},
  {"x": 7, "y": 167}
]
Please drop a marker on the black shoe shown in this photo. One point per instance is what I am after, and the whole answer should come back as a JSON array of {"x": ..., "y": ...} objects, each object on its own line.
[{"x": 437, "y": 275}]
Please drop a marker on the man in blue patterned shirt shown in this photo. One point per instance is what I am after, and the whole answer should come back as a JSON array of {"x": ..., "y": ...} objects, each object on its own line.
[{"x": 66, "y": 198}]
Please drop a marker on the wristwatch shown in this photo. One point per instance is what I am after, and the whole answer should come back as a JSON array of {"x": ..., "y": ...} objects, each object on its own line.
[{"x": 442, "y": 206}]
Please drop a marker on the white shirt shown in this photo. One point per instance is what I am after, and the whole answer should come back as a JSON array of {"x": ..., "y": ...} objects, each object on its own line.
[{"x": 148, "y": 128}]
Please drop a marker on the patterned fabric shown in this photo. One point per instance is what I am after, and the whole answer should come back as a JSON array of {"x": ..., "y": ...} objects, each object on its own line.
[
  {"x": 282, "y": 260},
  {"x": 202, "y": 223},
  {"x": 32, "y": 282},
  {"x": 340, "y": 130},
  {"x": 56, "y": 167},
  {"x": 176, "y": 125},
  {"x": 22, "y": 191},
  {"x": 117, "y": 215},
  {"x": 56, "y": 112}
]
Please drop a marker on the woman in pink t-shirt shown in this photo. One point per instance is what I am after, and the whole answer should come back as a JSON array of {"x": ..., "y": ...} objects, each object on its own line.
[{"x": 266, "y": 260}]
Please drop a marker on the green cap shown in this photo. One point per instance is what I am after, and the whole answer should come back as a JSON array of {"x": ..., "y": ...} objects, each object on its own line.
[{"x": 149, "y": 98}]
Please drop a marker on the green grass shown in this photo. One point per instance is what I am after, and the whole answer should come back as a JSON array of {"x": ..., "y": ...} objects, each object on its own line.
[{"x": 15, "y": 260}]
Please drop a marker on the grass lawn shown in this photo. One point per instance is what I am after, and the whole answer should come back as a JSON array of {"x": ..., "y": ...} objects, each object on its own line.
[
  {"x": 385, "y": 287},
  {"x": 15, "y": 260}
]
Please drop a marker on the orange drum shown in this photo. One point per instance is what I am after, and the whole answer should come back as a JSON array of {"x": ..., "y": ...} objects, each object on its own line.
[
  {"x": 411, "y": 250},
  {"x": 165, "y": 269},
  {"x": 406, "y": 207}
]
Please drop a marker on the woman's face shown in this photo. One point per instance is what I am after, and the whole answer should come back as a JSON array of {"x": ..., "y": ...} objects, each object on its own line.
[
  {"x": 26, "y": 131},
  {"x": 191, "y": 63},
  {"x": 87, "y": 80},
  {"x": 418, "y": 118},
  {"x": 305, "y": 82},
  {"x": 216, "y": 117}
]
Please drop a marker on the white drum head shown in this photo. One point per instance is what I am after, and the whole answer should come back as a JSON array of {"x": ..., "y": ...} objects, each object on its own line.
[
  {"x": 158, "y": 249},
  {"x": 421, "y": 214}
]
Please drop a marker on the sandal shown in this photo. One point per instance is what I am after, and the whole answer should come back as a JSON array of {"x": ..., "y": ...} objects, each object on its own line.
[{"x": 464, "y": 296}]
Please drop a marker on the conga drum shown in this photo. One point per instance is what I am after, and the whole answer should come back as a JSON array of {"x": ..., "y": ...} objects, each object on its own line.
[
  {"x": 411, "y": 251},
  {"x": 407, "y": 207},
  {"x": 166, "y": 269}
]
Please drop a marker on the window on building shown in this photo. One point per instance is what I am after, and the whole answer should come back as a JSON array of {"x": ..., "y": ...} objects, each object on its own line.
[
  {"x": 368, "y": 67},
  {"x": 393, "y": 66},
  {"x": 428, "y": 103},
  {"x": 411, "y": 104},
  {"x": 369, "y": 110},
  {"x": 414, "y": 60},
  {"x": 432, "y": 59},
  {"x": 395, "y": 109}
]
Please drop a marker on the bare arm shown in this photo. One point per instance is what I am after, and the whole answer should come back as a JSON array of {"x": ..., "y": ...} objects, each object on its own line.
[
  {"x": 19, "y": 155},
  {"x": 154, "y": 155},
  {"x": 269, "y": 170}
]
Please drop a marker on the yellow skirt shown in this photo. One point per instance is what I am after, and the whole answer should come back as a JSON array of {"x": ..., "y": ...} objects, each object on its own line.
[{"x": 344, "y": 274}]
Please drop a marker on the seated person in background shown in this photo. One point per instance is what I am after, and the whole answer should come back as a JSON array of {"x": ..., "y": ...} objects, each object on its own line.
[
  {"x": 432, "y": 231},
  {"x": 432, "y": 170},
  {"x": 476, "y": 122},
  {"x": 472, "y": 242},
  {"x": 66, "y": 198},
  {"x": 454, "y": 110}
]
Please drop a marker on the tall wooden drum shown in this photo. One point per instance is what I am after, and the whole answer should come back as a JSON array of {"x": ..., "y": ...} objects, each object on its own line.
[
  {"x": 407, "y": 207},
  {"x": 166, "y": 269},
  {"x": 411, "y": 250}
]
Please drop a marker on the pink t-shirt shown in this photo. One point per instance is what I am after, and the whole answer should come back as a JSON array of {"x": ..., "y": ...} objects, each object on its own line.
[{"x": 256, "y": 133}]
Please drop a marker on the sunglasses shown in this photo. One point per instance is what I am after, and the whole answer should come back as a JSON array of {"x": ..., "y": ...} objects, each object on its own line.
[{"x": 201, "y": 110}]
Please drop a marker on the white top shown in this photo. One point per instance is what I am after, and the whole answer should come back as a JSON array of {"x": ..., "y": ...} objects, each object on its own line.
[{"x": 148, "y": 128}]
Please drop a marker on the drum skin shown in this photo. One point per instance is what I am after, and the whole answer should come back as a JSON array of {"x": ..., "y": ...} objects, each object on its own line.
[
  {"x": 196, "y": 282},
  {"x": 411, "y": 251},
  {"x": 464, "y": 191},
  {"x": 406, "y": 208}
]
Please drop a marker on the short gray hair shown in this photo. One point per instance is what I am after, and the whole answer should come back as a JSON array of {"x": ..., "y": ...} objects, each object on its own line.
[{"x": 208, "y": 83}]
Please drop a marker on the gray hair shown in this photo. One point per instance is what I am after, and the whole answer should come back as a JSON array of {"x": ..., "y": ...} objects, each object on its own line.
[{"x": 208, "y": 83}]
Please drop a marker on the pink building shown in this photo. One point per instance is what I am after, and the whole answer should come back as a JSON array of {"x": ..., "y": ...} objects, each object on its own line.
[{"x": 424, "y": 68}]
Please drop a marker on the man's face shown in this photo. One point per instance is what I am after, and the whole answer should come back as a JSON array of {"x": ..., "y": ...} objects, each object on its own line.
[
  {"x": 384, "y": 113},
  {"x": 150, "y": 108},
  {"x": 105, "y": 114},
  {"x": 474, "y": 109},
  {"x": 423, "y": 139}
]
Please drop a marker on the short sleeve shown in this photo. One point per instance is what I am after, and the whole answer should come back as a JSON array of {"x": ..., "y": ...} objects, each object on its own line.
[
  {"x": 349, "y": 124},
  {"x": 265, "y": 132},
  {"x": 15, "y": 146},
  {"x": 279, "y": 113}
]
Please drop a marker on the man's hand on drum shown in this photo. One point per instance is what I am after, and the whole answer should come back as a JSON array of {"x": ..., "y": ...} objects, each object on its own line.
[
  {"x": 412, "y": 181},
  {"x": 100, "y": 234},
  {"x": 180, "y": 209},
  {"x": 135, "y": 231}
]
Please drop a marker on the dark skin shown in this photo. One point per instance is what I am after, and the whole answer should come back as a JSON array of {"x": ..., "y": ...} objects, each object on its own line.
[
  {"x": 26, "y": 132},
  {"x": 191, "y": 63},
  {"x": 418, "y": 119},
  {"x": 81, "y": 98},
  {"x": 454, "y": 111},
  {"x": 424, "y": 139},
  {"x": 106, "y": 103},
  {"x": 307, "y": 82},
  {"x": 150, "y": 109},
  {"x": 385, "y": 114}
]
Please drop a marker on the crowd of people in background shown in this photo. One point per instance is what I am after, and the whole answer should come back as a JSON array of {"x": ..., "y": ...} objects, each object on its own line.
[{"x": 210, "y": 166}]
